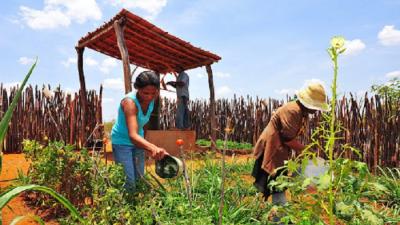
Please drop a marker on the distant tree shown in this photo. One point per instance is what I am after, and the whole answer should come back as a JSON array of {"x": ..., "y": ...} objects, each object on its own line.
[{"x": 390, "y": 89}]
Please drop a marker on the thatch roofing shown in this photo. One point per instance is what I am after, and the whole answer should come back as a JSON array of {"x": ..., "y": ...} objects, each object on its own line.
[{"x": 148, "y": 46}]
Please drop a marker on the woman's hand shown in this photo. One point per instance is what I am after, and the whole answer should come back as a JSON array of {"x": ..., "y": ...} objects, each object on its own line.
[{"x": 158, "y": 153}]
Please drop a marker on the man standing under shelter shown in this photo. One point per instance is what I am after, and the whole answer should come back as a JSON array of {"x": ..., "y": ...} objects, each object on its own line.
[{"x": 182, "y": 93}]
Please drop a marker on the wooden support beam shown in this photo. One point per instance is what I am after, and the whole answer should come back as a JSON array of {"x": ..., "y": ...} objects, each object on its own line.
[
  {"x": 83, "y": 94},
  {"x": 213, "y": 120},
  {"x": 119, "y": 32}
]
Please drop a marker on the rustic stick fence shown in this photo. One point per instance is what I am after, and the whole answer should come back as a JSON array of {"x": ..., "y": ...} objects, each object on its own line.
[
  {"x": 56, "y": 118},
  {"x": 370, "y": 124}
]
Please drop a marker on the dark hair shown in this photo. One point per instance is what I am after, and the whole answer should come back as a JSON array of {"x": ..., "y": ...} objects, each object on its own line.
[{"x": 146, "y": 78}]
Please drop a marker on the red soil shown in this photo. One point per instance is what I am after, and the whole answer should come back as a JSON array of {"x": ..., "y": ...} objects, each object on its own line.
[{"x": 16, "y": 207}]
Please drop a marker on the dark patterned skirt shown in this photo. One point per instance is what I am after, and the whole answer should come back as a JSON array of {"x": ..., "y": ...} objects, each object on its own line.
[{"x": 262, "y": 178}]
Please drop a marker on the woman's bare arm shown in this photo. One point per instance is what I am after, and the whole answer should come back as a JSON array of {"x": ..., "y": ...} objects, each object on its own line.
[{"x": 130, "y": 111}]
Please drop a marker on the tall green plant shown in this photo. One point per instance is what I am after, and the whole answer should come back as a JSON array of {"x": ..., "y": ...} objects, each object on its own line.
[
  {"x": 7, "y": 116},
  {"x": 336, "y": 48},
  {"x": 7, "y": 196}
]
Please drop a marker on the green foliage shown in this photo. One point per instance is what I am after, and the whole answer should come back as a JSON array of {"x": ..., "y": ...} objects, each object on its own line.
[
  {"x": 229, "y": 144},
  {"x": 57, "y": 166},
  {"x": 10, "y": 194},
  {"x": 386, "y": 187},
  {"x": 347, "y": 191},
  {"x": 7, "y": 116},
  {"x": 112, "y": 205},
  {"x": 242, "y": 203},
  {"x": 390, "y": 89}
]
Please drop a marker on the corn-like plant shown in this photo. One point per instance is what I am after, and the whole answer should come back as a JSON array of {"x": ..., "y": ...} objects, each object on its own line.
[
  {"x": 7, "y": 196},
  {"x": 7, "y": 116},
  {"x": 339, "y": 193},
  {"x": 336, "y": 48}
]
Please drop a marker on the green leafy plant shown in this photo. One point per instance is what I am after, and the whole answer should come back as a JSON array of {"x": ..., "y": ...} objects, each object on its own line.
[
  {"x": 12, "y": 193},
  {"x": 230, "y": 145},
  {"x": 58, "y": 166},
  {"x": 7, "y": 196},
  {"x": 343, "y": 194},
  {"x": 7, "y": 116}
]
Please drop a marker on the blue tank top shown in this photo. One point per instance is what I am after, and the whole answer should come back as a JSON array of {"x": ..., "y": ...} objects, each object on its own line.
[{"x": 119, "y": 132}]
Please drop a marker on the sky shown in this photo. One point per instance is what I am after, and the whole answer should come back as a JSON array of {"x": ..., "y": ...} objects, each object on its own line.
[{"x": 268, "y": 48}]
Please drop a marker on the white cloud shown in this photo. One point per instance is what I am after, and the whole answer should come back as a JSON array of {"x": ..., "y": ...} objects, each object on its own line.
[
  {"x": 223, "y": 91},
  {"x": 26, "y": 61},
  {"x": 393, "y": 74},
  {"x": 46, "y": 19},
  {"x": 389, "y": 36},
  {"x": 152, "y": 7},
  {"x": 353, "y": 47},
  {"x": 107, "y": 64},
  {"x": 90, "y": 61},
  {"x": 60, "y": 13},
  {"x": 69, "y": 61},
  {"x": 113, "y": 83}
]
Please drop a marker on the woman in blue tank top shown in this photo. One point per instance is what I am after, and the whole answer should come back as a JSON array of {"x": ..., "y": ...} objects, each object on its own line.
[{"x": 127, "y": 134}]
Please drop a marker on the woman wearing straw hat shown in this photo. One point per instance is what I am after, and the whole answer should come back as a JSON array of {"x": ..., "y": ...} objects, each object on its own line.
[{"x": 274, "y": 145}]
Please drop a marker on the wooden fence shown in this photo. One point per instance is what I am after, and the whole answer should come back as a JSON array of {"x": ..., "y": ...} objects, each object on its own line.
[
  {"x": 56, "y": 118},
  {"x": 370, "y": 124}
]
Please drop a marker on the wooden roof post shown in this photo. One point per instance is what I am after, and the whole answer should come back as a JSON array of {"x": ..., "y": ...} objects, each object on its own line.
[
  {"x": 119, "y": 31},
  {"x": 83, "y": 94},
  {"x": 213, "y": 121}
]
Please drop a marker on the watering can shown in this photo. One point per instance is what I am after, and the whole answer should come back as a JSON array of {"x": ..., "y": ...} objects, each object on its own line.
[{"x": 169, "y": 167}]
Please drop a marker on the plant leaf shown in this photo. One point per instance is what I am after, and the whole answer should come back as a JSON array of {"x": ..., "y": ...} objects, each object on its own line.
[
  {"x": 8, "y": 195},
  {"x": 20, "y": 218},
  {"x": 7, "y": 116}
]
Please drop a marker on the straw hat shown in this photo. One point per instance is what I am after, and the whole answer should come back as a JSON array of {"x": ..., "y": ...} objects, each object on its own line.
[{"x": 313, "y": 97}]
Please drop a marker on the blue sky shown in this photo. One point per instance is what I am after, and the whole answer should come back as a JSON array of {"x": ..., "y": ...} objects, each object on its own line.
[{"x": 268, "y": 48}]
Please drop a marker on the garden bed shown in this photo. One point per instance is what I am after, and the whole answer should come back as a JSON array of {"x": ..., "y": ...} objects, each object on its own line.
[{"x": 231, "y": 148}]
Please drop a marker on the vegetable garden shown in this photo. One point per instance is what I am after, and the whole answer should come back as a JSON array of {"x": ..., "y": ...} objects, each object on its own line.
[{"x": 78, "y": 187}]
